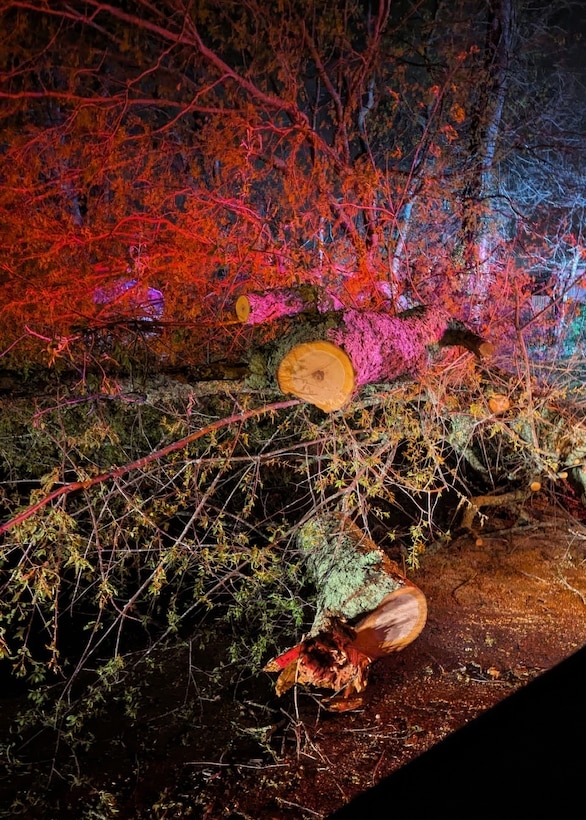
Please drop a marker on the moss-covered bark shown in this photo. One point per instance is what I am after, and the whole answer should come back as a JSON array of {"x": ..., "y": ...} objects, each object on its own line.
[
  {"x": 350, "y": 573},
  {"x": 381, "y": 347}
]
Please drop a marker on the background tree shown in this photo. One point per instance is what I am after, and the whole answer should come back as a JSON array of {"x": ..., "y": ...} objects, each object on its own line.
[{"x": 206, "y": 150}]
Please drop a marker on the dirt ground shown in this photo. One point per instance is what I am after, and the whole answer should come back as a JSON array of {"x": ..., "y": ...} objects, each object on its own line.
[{"x": 502, "y": 610}]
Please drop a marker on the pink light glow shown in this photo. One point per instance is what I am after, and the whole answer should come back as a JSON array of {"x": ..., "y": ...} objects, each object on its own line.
[{"x": 384, "y": 347}]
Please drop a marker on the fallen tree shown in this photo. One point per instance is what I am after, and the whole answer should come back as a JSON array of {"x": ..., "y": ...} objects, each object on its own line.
[{"x": 220, "y": 501}]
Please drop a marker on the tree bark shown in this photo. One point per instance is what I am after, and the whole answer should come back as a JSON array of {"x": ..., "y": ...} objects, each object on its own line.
[
  {"x": 365, "y": 609},
  {"x": 373, "y": 346},
  {"x": 257, "y": 308},
  {"x": 501, "y": 38}
]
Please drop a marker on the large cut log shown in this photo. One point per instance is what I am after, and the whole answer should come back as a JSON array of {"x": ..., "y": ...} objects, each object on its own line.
[
  {"x": 319, "y": 372},
  {"x": 323, "y": 359},
  {"x": 365, "y": 609}
]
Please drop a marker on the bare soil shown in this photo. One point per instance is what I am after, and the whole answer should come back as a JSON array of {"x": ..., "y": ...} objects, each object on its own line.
[{"x": 503, "y": 608}]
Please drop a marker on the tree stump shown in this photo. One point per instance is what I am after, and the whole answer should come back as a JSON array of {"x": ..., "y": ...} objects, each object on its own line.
[{"x": 365, "y": 609}]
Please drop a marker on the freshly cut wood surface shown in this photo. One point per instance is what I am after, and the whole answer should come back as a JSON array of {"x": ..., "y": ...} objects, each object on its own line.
[
  {"x": 394, "y": 624},
  {"x": 318, "y": 372}
]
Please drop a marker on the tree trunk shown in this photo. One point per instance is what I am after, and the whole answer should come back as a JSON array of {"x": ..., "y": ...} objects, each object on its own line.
[
  {"x": 480, "y": 216},
  {"x": 323, "y": 359},
  {"x": 365, "y": 609},
  {"x": 257, "y": 308}
]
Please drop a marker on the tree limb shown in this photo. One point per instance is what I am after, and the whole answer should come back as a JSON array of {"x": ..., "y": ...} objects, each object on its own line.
[{"x": 117, "y": 472}]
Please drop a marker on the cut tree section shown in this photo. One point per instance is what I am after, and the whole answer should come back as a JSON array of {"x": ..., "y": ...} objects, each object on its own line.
[
  {"x": 318, "y": 372},
  {"x": 323, "y": 358},
  {"x": 356, "y": 583},
  {"x": 256, "y": 308},
  {"x": 393, "y": 625}
]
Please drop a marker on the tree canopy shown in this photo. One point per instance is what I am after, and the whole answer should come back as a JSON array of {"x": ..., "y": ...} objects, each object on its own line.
[{"x": 394, "y": 152}]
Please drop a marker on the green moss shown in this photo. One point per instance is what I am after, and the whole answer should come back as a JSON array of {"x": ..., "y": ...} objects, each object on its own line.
[{"x": 350, "y": 576}]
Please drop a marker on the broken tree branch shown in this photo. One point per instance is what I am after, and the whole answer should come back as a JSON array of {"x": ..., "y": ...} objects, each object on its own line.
[{"x": 117, "y": 472}]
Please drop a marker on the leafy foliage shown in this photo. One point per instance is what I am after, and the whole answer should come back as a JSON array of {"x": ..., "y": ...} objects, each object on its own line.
[
  {"x": 204, "y": 535},
  {"x": 213, "y": 151}
]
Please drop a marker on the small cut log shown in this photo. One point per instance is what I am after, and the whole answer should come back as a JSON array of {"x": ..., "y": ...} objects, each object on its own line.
[
  {"x": 365, "y": 609},
  {"x": 256, "y": 308}
]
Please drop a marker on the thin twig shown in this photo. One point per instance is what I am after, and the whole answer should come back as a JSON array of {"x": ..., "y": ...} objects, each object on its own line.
[
  {"x": 567, "y": 585},
  {"x": 299, "y": 806}
]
